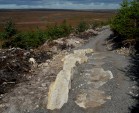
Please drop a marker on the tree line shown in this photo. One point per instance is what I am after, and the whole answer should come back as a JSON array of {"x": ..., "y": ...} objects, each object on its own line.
[{"x": 126, "y": 23}]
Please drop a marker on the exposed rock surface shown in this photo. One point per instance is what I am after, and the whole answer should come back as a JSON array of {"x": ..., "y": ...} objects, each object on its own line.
[
  {"x": 59, "y": 90},
  {"x": 95, "y": 97}
]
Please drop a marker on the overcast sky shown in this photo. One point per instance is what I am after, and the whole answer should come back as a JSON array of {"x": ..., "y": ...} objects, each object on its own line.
[{"x": 61, "y": 4}]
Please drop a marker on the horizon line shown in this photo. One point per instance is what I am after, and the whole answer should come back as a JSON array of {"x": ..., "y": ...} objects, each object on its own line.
[{"x": 52, "y": 9}]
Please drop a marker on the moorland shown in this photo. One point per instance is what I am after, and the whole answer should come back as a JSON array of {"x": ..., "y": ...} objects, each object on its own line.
[{"x": 29, "y": 19}]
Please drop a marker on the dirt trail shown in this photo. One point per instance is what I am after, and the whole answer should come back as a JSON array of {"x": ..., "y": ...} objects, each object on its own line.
[
  {"x": 98, "y": 86},
  {"x": 101, "y": 84}
]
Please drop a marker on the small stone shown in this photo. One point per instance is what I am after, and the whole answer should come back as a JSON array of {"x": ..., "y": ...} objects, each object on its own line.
[
  {"x": 109, "y": 97},
  {"x": 131, "y": 93},
  {"x": 133, "y": 87},
  {"x": 37, "y": 106},
  {"x": 45, "y": 64},
  {"x": 43, "y": 84}
]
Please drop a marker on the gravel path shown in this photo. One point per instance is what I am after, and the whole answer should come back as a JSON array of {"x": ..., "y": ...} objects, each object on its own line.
[{"x": 119, "y": 89}]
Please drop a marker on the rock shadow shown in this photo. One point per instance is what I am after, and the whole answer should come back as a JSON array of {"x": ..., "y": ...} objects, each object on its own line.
[
  {"x": 116, "y": 41},
  {"x": 133, "y": 73}
]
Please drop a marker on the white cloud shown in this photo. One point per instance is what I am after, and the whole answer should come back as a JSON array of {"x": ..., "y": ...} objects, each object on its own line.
[{"x": 65, "y": 5}]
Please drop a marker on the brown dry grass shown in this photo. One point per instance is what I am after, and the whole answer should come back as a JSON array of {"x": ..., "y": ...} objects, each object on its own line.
[{"x": 29, "y": 20}]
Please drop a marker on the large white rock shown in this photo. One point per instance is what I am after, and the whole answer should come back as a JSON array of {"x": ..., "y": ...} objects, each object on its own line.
[
  {"x": 32, "y": 61},
  {"x": 94, "y": 97},
  {"x": 58, "y": 90}
]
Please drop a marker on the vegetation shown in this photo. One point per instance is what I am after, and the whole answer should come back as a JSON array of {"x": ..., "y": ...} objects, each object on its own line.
[
  {"x": 45, "y": 18},
  {"x": 126, "y": 23},
  {"x": 27, "y": 40},
  {"x": 58, "y": 31},
  {"x": 96, "y": 24},
  {"x": 11, "y": 37},
  {"x": 82, "y": 26},
  {"x": 9, "y": 29}
]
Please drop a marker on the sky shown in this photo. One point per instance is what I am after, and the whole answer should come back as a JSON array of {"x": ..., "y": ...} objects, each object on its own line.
[{"x": 60, "y": 4}]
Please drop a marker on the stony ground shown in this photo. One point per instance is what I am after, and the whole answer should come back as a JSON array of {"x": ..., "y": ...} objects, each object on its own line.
[{"x": 99, "y": 85}]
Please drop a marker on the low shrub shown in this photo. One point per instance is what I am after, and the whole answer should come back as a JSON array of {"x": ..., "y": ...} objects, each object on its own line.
[
  {"x": 82, "y": 26},
  {"x": 26, "y": 40},
  {"x": 58, "y": 31},
  {"x": 9, "y": 29},
  {"x": 33, "y": 39},
  {"x": 95, "y": 25}
]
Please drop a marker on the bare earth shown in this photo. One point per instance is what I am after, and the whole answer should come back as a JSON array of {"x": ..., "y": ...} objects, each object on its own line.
[{"x": 99, "y": 85}]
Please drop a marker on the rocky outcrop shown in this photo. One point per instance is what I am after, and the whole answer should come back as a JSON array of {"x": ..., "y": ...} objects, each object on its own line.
[
  {"x": 58, "y": 90},
  {"x": 94, "y": 97}
]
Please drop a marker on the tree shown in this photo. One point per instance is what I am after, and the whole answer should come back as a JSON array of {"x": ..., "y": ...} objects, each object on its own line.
[
  {"x": 126, "y": 22},
  {"x": 135, "y": 17},
  {"x": 9, "y": 29}
]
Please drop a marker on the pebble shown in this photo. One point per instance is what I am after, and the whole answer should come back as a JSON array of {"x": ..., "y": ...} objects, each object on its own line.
[
  {"x": 133, "y": 87},
  {"x": 43, "y": 85}
]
